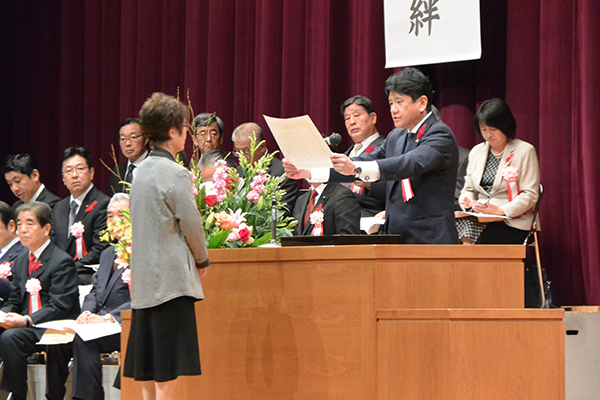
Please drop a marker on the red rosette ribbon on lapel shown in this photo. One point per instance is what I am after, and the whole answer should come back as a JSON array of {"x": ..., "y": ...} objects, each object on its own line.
[
  {"x": 91, "y": 207},
  {"x": 421, "y": 132},
  {"x": 370, "y": 149},
  {"x": 316, "y": 219},
  {"x": 33, "y": 287},
  {"x": 77, "y": 230},
  {"x": 510, "y": 175}
]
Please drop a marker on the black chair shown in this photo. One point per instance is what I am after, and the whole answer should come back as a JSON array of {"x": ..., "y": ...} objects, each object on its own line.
[{"x": 545, "y": 298}]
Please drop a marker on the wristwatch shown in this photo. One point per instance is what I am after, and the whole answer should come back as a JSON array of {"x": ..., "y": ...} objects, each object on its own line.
[{"x": 358, "y": 170}]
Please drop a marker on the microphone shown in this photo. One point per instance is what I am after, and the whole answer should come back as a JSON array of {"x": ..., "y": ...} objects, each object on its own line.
[
  {"x": 333, "y": 140},
  {"x": 273, "y": 240}
]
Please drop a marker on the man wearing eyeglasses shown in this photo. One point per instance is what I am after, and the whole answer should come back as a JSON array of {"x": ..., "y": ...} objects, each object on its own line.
[
  {"x": 207, "y": 135},
  {"x": 134, "y": 147},
  {"x": 87, "y": 205}
]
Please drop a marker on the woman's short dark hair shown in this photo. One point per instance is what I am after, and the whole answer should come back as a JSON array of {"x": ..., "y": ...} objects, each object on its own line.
[
  {"x": 362, "y": 101},
  {"x": 77, "y": 151},
  {"x": 21, "y": 163},
  {"x": 159, "y": 114},
  {"x": 6, "y": 214},
  {"x": 206, "y": 119},
  {"x": 411, "y": 82},
  {"x": 42, "y": 212},
  {"x": 495, "y": 113}
]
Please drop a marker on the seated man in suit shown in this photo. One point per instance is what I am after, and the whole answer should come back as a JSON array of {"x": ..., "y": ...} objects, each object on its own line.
[
  {"x": 45, "y": 280},
  {"x": 87, "y": 205},
  {"x": 327, "y": 209},
  {"x": 418, "y": 160},
  {"x": 10, "y": 248},
  {"x": 360, "y": 119},
  {"x": 108, "y": 297},
  {"x": 133, "y": 146},
  {"x": 242, "y": 136},
  {"x": 23, "y": 177}
]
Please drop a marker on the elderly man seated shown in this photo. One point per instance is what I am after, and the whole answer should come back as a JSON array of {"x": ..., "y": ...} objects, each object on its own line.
[
  {"x": 103, "y": 305},
  {"x": 45, "y": 281}
]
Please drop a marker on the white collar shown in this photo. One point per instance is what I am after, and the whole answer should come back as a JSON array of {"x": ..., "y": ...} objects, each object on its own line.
[
  {"x": 40, "y": 250},
  {"x": 416, "y": 128},
  {"x": 38, "y": 192},
  {"x": 80, "y": 199}
]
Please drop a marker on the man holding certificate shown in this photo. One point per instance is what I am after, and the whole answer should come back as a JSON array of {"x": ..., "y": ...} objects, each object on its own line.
[{"x": 418, "y": 161}]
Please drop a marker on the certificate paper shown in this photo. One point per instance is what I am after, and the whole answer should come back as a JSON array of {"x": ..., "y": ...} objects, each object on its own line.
[{"x": 300, "y": 142}]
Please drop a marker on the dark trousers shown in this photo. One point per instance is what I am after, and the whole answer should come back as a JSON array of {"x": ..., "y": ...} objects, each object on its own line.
[
  {"x": 87, "y": 365},
  {"x": 500, "y": 233},
  {"x": 16, "y": 345}
]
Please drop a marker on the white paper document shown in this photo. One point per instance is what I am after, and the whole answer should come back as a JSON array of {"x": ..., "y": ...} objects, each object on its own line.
[
  {"x": 462, "y": 214},
  {"x": 371, "y": 225},
  {"x": 300, "y": 142},
  {"x": 63, "y": 331}
]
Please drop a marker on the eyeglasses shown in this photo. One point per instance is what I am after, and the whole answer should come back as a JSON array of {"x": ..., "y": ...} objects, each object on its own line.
[
  {"x": 245, "y": 152},
  {"x": 213, "y": 134},
  {"x": 79, "y": 169},
  {"x": 132, "y": 138}
]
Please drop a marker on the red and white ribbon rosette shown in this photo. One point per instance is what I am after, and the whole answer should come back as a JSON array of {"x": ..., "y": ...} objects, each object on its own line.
[
  {"x": 510, "y": 175},
  {"x": 5, "y": 270},
  {"x": 76, "y": 231},
  {"x": 126, "y": 277},
  {"x": 33, "y": 287},
  {"x": 316, "y": 219}
]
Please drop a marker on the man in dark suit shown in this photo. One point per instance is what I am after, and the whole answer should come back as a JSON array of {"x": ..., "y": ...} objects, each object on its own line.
[
  {"x": 108, "y": 297},
  {"x": 360, "y": 119},
  {"x": 87, "y": 205},
  {"x": 242, "y": 137},
  {"x": 45, "y": 280},
  {"x": 10, "y": 248},
  {"x": 418, "y": 160},
  {"x": 23, "y": 177},
  {"x": 339, "y": 207},
  {"x": 133, "y": 146}
]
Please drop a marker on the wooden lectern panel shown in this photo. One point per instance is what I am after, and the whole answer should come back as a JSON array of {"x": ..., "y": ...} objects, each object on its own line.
[
  {"x": 300, "y": 323},
  {"x": 470, "y": 354}
]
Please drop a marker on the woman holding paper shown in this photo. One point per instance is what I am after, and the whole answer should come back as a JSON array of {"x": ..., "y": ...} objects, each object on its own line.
[{"x": 503, "y": 179}]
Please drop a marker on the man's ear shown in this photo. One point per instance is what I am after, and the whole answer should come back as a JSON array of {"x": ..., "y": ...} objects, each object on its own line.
[{"x": 35, "y": 175}]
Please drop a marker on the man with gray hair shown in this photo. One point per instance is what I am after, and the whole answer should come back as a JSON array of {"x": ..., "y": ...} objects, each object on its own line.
[
  {"x": 207, "y": 163},
  {"x": 45, "y": 280},
  {"x": 242, "y": 138},
  {"x": 103, "y": 305}
]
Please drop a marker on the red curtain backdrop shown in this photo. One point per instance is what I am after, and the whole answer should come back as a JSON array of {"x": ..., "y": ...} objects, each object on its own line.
[{"x": 70, "y": 71}]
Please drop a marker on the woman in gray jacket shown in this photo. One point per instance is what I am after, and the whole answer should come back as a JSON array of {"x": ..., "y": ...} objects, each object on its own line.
[{"x": 168, "y": 256}]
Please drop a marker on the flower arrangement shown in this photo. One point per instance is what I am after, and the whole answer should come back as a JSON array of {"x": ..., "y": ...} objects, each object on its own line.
[
  {"x": 236, "y": 208},
  {"x": 118, "y": 232}
]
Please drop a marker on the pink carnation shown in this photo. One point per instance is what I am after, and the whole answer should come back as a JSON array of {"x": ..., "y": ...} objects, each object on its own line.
[
  {"x": 253, "y": 196},
  {"x": 77, "y": 229},
  {"x": 33, "y": 286},
  {"x": 126, "y": 276},
  {"x": 5, "y": 270},
  {"x": 510, "y": 174}
]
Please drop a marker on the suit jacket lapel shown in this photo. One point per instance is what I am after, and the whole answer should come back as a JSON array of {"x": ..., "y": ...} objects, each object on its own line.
[
  {"x": 322, "y": 200},
  {"x": 44, "y": 258},
  {"x": 87, "y": 201},
  {"x": 114, "y": 278}
]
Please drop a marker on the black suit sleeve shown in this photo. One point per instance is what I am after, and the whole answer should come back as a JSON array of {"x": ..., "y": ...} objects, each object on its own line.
[{"x": 347, "y": 213}]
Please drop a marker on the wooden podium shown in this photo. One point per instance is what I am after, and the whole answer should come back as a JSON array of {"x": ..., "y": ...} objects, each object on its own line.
[{"x": 302, "y": 322}]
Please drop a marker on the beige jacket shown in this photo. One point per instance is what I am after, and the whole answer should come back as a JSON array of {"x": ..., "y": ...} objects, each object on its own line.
[{"x": 523, "y": 157}]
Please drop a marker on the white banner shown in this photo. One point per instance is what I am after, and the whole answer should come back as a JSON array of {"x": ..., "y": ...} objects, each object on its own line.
[{"x": 431, "y": 31}]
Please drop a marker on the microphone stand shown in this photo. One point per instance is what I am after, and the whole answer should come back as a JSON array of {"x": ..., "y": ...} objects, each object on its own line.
[{"x": 273, "y": 241}]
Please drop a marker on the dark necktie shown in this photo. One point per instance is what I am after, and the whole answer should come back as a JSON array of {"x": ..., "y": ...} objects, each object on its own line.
[
  {"x": 33, "y": 265},
  {"x": 72, "y": 216},
  {"x": 129, "y": 174},
  {"x": 311, "y": 206},
  {"x": 410, "y": 142}
]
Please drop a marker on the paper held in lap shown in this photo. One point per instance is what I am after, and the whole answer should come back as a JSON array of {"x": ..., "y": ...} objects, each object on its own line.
[
  {"x": 480, "y": 216},
  {"x": 300, "y": 142},
  {"x": 64, "y": 331}
]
